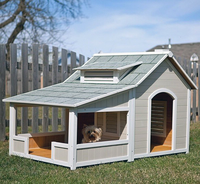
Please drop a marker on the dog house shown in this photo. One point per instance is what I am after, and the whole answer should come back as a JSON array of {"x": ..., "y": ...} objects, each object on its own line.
[{"x": 140, "y": 100}]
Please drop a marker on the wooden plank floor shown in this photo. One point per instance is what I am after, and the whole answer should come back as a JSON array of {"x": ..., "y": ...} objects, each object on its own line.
[
  {"x": 43, "y": 152},
  {"x": 157, "y": 148}
]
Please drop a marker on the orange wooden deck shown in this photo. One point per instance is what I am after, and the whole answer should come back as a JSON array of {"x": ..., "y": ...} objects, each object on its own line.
[
  {"x": 157, "y": 148},
  {"x": 43, "y": 152}
]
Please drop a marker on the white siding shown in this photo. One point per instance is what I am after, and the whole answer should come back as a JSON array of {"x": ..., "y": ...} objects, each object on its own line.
[
  {"x": 163, "y": 77},
  {"x": 112, "y": 125},
  {"x": 101, "y": 153},
  {"x": 118, "y": 100},
  {"x": 18, "y": 146},
  {"x": 61, "y": 154}
]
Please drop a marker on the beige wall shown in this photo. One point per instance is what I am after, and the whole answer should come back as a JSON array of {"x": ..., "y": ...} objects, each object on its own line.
[
  {"x": 162, "y": 77},
  {"x": 122, "y": 125},
  {"x": 118, "y": 100}
]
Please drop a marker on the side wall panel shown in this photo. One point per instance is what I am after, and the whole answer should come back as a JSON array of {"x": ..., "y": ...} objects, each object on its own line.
[
  {"x": 118, "y": 100},
  {"x": 163, "y": 77}
]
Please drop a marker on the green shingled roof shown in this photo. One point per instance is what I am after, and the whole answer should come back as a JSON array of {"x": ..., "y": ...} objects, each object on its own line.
[
  {"x": 111, "y": 62},
  {"x": 72, "y": 93}
]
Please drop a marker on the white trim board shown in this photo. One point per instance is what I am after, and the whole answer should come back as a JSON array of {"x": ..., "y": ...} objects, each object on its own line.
[
  {"x": 169, "y": 53},
  {"x": 160, "y": 153},
  {"x": 174, "y": 116}
]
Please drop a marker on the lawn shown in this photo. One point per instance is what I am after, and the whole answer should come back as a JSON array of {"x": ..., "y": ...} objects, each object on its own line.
[{"x": 180, "y": 168}]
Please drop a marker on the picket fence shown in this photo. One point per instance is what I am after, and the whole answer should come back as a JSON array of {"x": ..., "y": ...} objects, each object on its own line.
[
  {"x": 25, "y": 73},
  {"x": 15, "y": 79}
]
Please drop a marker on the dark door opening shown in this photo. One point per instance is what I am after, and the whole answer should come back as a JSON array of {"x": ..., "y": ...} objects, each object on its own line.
[
  {"x": 83, "y": 118},
  {"x": 161, "y": 122}
]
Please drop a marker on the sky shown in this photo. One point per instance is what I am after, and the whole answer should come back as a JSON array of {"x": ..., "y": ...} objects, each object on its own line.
[{"x": 112, "y": 26}]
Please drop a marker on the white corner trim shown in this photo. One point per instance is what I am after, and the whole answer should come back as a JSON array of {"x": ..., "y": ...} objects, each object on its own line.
[
  {"x": 12, "y": 125},
  {"x": 174, "y": 116},
  {"x": 188, "y": 120},
  {"x": 72, "y": 138},
  {"x": 131, "y": 125},
  {"x": 186, "y": 75}
]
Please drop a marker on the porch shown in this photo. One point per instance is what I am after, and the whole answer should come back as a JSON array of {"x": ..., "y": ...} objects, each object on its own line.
[{"x": 65, "y": 148}]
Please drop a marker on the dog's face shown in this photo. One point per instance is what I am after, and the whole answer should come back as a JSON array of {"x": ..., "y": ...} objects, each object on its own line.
[{"x": 91, "y": 133}]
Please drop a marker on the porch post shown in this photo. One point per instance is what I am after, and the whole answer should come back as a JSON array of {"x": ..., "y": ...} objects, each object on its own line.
[
  {"x": 12, "y": 126},
  {"x": 131, "y": 124},
  {"x": 72, "y": 137}
]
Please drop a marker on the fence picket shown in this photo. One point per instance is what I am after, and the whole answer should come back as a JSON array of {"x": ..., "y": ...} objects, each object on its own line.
[
  {"x": 2, "y": 91},
  {"x": 45, "y": 83},
  {"x": 189, "y": 69},
  {"x": 13, "y": 69},
  {"x": 64, "y": 75},
  {"x": 24, "y": 86},
  {"x": 55, "y": 81},
  {"x": 194, "y": 93},
  {"x": 35, "y": 85},
  {"x": 81, "y": 59},
  {"x": 64, "y": 69},
  {"x": 73, "y": 61}
]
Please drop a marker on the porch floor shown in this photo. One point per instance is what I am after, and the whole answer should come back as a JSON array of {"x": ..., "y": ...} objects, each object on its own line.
[
  {"x": 156, "y": 148},
  {"x": 43, "y": 152}
]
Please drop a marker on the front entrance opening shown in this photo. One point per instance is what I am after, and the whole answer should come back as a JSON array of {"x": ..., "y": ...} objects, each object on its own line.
[{"x": 161, "y": 122}]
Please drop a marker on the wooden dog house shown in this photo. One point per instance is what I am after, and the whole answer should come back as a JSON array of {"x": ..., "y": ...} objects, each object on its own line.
[{"x": 140, "y": 100}]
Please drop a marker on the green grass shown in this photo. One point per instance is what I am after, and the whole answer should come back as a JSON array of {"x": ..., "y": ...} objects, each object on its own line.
[{"x": 180, "y": 168}]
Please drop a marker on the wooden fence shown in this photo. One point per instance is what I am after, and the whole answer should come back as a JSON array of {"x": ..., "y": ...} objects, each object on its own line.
[{"x": 29, "y": 74}]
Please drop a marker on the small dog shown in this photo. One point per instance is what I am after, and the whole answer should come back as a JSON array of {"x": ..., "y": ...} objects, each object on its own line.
[{"x": 91, "y": 133}]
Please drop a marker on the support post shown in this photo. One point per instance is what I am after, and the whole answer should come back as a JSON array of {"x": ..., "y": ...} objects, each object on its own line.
[
  {"x": 12, "y": 126},
  {"x": 131, "y": 125},
  {"x": 72, "y": 138}
]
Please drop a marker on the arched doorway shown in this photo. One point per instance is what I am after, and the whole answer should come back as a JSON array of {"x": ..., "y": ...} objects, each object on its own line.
[
  {"x": 162, "y": 142},
  {"x": 161, "y": 122}
]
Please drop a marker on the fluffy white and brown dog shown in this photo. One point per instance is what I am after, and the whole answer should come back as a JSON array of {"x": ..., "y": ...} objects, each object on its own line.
[{"x": 91, "y": 133}]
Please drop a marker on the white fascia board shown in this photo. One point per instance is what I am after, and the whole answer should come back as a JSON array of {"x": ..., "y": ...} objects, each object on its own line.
[
  {"x": 38, "y": 103},
  {"x": 185, "y": 74},
  {"x": 169, "y": 53}
]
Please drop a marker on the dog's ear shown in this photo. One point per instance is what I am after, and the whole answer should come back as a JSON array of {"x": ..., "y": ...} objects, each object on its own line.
[
  {"x": 84, "y": 125},
  {"x": 100, "y": 132}
]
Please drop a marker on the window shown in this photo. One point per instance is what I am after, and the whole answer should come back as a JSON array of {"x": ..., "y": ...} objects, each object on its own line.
[
  {"x": 104, "y": 76},
  {"x": 158, "y": 118}
]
